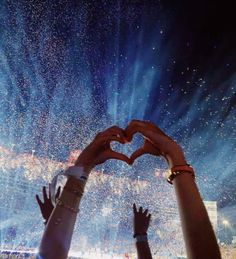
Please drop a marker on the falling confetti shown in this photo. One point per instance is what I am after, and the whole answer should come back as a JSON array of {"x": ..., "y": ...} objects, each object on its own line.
[{"x": 70, "y": 69}]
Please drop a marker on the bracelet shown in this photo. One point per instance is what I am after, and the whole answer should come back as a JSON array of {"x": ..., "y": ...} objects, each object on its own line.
[
  {"x": 139, "y": 234},
  {"x": 141, "y": 238},
  {"x": 75, "y": 184},
  {"x": 186, "y": 167},
  {"x": 78, "y": 193},
  {"x": 62, "y": 204},
  {"x": 179, "y": 169},
  {"x": 77, "y": 172}
]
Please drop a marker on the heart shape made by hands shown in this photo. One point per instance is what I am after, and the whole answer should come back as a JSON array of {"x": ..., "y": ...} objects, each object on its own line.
[
  {"x": 146, "y": 147},
  {"x": 129, "y": 147}
]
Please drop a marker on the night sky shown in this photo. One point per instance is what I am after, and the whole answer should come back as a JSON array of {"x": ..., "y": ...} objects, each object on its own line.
[{"x": 69, "y": 69}]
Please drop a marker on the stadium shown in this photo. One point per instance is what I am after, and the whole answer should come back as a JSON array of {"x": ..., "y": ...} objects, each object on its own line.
[{"x": 70, "y": 69}]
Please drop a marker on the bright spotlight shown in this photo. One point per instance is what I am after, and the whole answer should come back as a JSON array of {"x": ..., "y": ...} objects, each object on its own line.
[{"x": 225, "y": 222}]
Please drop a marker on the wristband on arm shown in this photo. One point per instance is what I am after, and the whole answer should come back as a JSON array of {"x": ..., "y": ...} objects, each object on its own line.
[
  {"x": 74, "y": 171},
  {"x": 179, "y": 169},
  {"x": 141, "y": 237}
]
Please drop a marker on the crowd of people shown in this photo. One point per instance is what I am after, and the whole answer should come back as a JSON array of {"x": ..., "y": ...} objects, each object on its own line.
[{"x": 60, "y": 207}]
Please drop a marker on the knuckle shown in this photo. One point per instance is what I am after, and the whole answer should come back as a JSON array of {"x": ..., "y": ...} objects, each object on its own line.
[
  {"x": 132, "y": 122},
  {"x": 114, "y": 127}
]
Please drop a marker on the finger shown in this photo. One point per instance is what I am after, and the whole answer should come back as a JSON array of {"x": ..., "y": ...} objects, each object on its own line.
[
  {"x": 137, "y": 154},
  {"x": 143, "y": 127},
  {"x": 134, "y": 208},
  {"x": 146, "y": 132},
  {"x": 146, "y": 124},
  {"x": 45, "y": 197},
  {"x": 145, "y": 212},
  {"x": 114, "y": 130},
  {"x": 40, "y": 203},
  {"x": 140, "y": 210},
  {"x": 118, "y": 156},
  {"x": 58, "y": 192},
  {"x": 149, "y": 218},
  {"x": 151, "y": 148},
  {"x": 108, "y": 139},
  {"x": 110, "y": 154},
  {"x": 49, "y": 191},
  {"x": 130, "y": 130}
]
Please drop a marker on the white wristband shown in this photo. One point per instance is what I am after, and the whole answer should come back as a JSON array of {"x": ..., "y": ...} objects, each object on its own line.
[{"x": 75, "y": 171}]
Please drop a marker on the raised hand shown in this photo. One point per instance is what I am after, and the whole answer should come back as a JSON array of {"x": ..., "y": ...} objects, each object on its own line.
[
  {"x": 197, "y": 230},
  {"x": 141, "y": 220},
  {"x": 99, "y": 150},
  {"x": 46, "y": 207},
  {"x": 156, "y": 143}
]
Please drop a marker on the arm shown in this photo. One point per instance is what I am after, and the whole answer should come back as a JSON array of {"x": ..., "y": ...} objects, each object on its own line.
[
  {"x": 57, "y": 236},
  {"x": 141, "y": 224},
  {"x": 198, "y": 234},
  {"x": 59, "y": 229}
]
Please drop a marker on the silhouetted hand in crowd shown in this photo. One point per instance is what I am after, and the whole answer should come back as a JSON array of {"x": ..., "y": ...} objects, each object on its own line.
[
  {"x": 141, "y": 220},
  {"x": 46, "y": 206},
  {"x": 141, "y": 223}
]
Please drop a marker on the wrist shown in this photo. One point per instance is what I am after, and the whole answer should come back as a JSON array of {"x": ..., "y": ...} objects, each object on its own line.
[
  {"x": 176, "y": 158},
  {"x": 179, "y": 170},
  {"x": 74, "y": 183},
  {"x": 86, "y": 167},
  {"x": 79, "y": 171},
  {"x": 139, "y": 234},
  {"x": 72, "y": 188}
]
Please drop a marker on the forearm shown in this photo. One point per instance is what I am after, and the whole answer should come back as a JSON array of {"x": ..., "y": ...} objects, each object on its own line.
[
  {"x": 198, "y": 233},
  {"x": 143, "y": 250},
  {"x": 58, "y": 232}
]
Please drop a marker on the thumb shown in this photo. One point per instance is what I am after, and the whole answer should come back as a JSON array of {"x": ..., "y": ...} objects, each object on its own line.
[
  {"x": 134, "y": 208},
  {"x": 118, "y": 156},
  {"x": 40, "y": 203},
  {"x": 110, "y": 154},
  {"x": 139, "y": 152}
]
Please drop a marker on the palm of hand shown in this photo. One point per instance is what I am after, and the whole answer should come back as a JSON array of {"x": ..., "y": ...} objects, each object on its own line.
[
  {"x": 141, "y": 224},
  {"x": 46, "y": 207},
  {"x": 99, "y": 150},
  {"x": 141, "y": 220}
]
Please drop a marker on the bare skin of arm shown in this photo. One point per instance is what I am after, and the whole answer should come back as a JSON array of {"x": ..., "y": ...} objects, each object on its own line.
[
  {"x": 141, "y": 224},
  {"x": 55, "y": 243},
  {"x": 200, "y": 240},
  {"x": 58, "y": 232},
  {"x": 143, "y": 250},
  {"x": 198, "y": 233}
]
